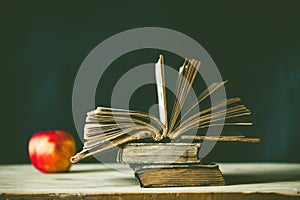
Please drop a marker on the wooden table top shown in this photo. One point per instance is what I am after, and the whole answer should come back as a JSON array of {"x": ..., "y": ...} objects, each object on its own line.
[{"x": 116, "y": 181}]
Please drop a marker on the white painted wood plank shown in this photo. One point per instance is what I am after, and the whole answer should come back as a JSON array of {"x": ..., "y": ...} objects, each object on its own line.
[{"x": 243, "y": 178}]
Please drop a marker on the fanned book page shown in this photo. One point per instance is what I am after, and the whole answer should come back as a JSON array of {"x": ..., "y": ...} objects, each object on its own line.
[
  {"x": 107, "y": 128},
  {"x": 161, "y": 93}
]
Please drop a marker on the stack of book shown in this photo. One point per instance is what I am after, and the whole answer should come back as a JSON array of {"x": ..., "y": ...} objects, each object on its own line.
[
  {"x": 169, "y": 165},
  {"x": 163, "y": 157}
]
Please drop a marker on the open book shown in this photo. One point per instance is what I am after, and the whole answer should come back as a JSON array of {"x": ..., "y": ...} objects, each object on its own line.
[{"x": 107, "y": 128}]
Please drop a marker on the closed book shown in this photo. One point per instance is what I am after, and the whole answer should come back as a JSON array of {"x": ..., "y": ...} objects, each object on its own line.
[
  {"x": 159, "y": 153},
  {"x": 179, "y": 175}
]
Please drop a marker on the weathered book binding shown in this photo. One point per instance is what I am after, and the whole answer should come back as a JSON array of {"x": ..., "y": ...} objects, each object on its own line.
[
  {"x": 159, "y": 153},
  {"x": 179, "y": 175}
]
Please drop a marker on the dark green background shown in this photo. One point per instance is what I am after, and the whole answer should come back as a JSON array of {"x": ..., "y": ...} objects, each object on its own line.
[{"x": 255, "y": 45}]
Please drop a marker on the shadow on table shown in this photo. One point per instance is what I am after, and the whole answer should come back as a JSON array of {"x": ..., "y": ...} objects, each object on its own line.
[
  {"x": 91, "y": 170},
  {"x": 127, "y": 181},
  {"x": 234, "y": 179}
]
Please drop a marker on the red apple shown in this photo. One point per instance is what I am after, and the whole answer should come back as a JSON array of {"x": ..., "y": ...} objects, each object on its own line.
[{"x": 50, "y": 151}]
